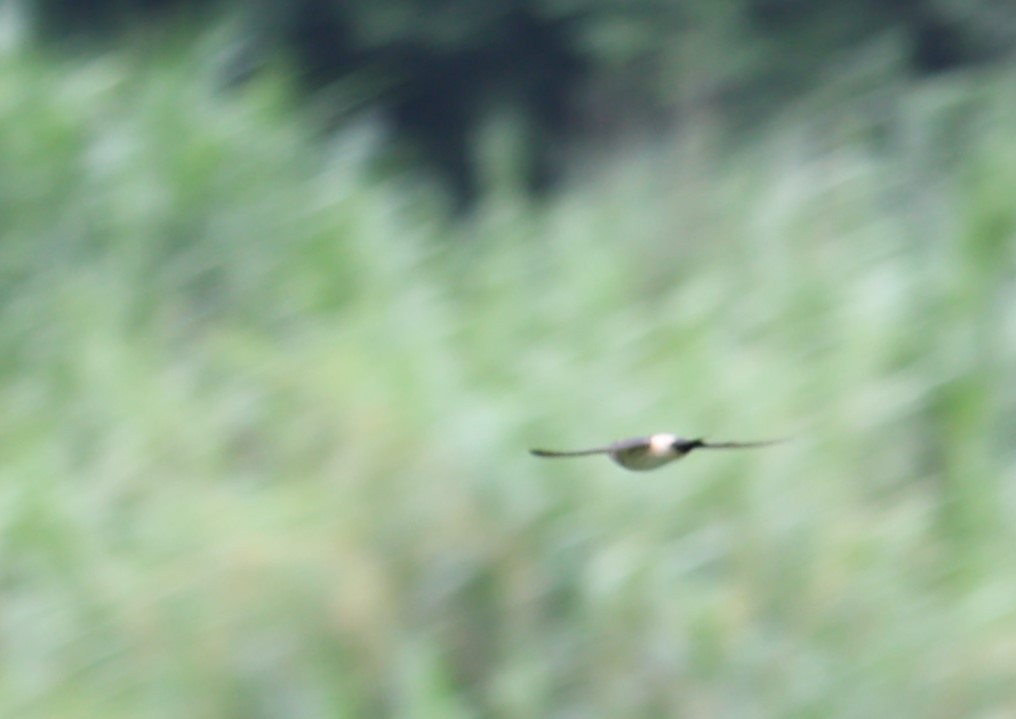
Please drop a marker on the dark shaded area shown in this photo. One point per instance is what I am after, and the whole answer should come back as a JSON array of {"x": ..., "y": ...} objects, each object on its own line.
[
  {"x": 436, "y": 70},
  {"x": 439, "y": 99},
  {"x": 90, "y": 20},
  {"x": 936, "y": 39},
  {"x": 936, "y": 42}
]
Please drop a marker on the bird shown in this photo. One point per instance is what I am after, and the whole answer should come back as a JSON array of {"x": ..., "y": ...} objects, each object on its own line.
[{"x": 641, "y": 454}]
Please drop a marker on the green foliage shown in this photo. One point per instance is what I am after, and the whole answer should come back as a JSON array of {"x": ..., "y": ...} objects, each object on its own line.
[
  {"x": 439, "y": 73},
  {"x": 265, "y": 420}
]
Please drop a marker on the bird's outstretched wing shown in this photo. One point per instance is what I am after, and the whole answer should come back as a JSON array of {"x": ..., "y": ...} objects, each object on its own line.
[
  {"x": 575, "y": 453},
  {"x": 740, "y": 445}
]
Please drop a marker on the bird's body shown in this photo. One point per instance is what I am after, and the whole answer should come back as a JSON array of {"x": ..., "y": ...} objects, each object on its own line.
[{"x": 640, "y": 454}]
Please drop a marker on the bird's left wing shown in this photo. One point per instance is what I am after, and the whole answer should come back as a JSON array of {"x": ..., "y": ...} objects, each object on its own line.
[{"x": 740, "y": 445}]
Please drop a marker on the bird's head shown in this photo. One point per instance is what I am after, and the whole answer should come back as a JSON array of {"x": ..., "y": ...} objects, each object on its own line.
[{"x": 683, "y": 446}]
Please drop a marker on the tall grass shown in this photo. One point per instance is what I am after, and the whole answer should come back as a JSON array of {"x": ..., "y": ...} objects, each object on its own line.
[{"x": 265, "y": 418}]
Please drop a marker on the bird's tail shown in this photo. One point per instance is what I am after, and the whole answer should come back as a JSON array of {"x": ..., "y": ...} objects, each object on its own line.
[{"x": 576, "y": 453}]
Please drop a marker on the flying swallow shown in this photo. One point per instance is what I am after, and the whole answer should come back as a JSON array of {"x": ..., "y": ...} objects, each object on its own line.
[{"x": 643, "y": 453}]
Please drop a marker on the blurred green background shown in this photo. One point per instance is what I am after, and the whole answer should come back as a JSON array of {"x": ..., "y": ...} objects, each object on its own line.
[{"x": 276, "y": 334}]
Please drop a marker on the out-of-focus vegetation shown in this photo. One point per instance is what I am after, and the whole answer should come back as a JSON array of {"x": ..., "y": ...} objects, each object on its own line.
[
  {"x": 265, "y": 418},
  {"x": 568, "y": 72}
]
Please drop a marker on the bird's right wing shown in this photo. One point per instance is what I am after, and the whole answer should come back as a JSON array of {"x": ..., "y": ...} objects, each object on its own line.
[{"x": 575, "y": 453}]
